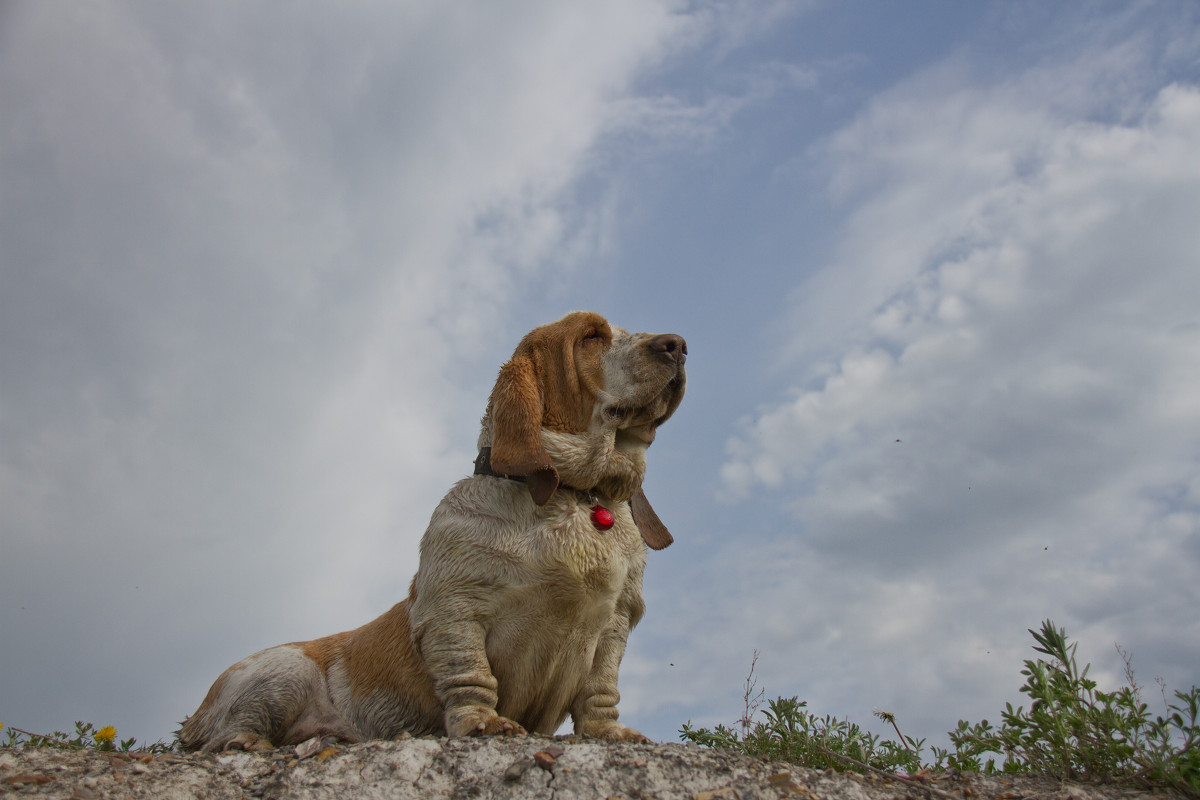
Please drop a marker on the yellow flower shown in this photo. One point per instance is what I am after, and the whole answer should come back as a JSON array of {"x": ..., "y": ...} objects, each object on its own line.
[{"x": 106, "y": 734}]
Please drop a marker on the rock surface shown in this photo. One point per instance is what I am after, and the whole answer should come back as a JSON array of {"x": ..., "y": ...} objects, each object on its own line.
[{"x": 518, "y": 767}]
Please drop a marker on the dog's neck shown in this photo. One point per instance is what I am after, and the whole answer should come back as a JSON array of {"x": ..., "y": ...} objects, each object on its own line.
[{"x": 483, "y": 466}]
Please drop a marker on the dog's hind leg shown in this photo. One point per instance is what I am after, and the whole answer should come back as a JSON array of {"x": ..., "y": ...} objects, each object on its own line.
[{"x": 264, "y": 701}]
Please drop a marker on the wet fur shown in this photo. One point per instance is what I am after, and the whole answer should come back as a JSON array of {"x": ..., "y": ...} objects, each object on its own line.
[{"x": 520, "y": 609}]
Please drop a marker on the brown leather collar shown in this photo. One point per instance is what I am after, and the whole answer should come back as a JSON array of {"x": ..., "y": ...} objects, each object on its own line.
[
  {"x": 483, "y": 466},
  {"x": 654, "y": 533}
]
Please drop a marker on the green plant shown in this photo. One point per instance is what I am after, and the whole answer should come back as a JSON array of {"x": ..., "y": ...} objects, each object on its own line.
[
  {"x": 1073, "y": 730},
  {"x": 86, "y": 737},
  {"x": 792, "y": 733}
]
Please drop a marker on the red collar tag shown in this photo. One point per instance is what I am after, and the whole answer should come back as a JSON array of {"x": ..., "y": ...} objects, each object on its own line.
[{"x": 602, "y": 518}]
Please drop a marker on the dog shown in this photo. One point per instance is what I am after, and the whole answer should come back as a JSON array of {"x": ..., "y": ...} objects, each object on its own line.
[{"x": 530, "y": 575}]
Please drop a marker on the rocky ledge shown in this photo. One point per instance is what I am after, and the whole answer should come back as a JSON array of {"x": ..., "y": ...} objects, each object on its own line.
[{"x": 518, "y": 767}]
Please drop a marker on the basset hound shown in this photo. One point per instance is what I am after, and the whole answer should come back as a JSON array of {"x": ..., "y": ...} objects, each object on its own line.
[{"x": 530, "y": 575}]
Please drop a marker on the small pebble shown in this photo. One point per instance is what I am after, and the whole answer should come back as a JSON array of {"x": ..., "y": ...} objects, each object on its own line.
[
  {"x": 327, "y": 752},
  {"x": 309, "y": 747},
  {"x": 517, "y": 769}
]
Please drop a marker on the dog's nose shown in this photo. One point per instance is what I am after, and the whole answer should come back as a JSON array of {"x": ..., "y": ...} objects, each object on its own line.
[{"x": 671, "y": 346}]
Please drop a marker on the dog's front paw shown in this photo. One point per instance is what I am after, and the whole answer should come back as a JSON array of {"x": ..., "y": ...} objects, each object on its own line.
[
  {"x": 480, "y": 722},
  {"x": 497, "y": 725},
  {"x": 250, "y": 742},
  {"x": 612, "y": 731}
]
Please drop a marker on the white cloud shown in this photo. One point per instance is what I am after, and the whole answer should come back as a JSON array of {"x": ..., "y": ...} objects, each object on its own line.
[
  {"x": 259, "y": 269},
  {"x": 260, "y": 265},
  {"x": 1054, "y": 294},
  {"x": 998, "y": 420}
]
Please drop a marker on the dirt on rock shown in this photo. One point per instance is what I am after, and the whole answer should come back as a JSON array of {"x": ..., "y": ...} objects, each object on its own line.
[{"x": 517, "y": 767}]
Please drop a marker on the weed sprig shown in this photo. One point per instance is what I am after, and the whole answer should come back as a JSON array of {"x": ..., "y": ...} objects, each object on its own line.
[
  {"x": 86, "y": 737},
  {"x": 1072, "y": 730}
]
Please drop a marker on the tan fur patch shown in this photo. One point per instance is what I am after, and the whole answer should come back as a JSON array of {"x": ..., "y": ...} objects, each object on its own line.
[
  {"x": 383, "y": 658},
  {"x": 552, "y": 382},
  {"x": 324, "y": 651},
  {"x": 567, "y": 358},
  {"x": 516, "y": 408}
]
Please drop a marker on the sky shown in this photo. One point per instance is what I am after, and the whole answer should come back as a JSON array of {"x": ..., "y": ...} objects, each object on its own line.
[{"x": 935, "y": 262}]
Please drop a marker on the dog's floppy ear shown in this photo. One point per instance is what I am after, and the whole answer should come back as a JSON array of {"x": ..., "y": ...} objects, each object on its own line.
[
  {"x": 654, "y": 533},
  {"x": 517, "y": 450}
]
